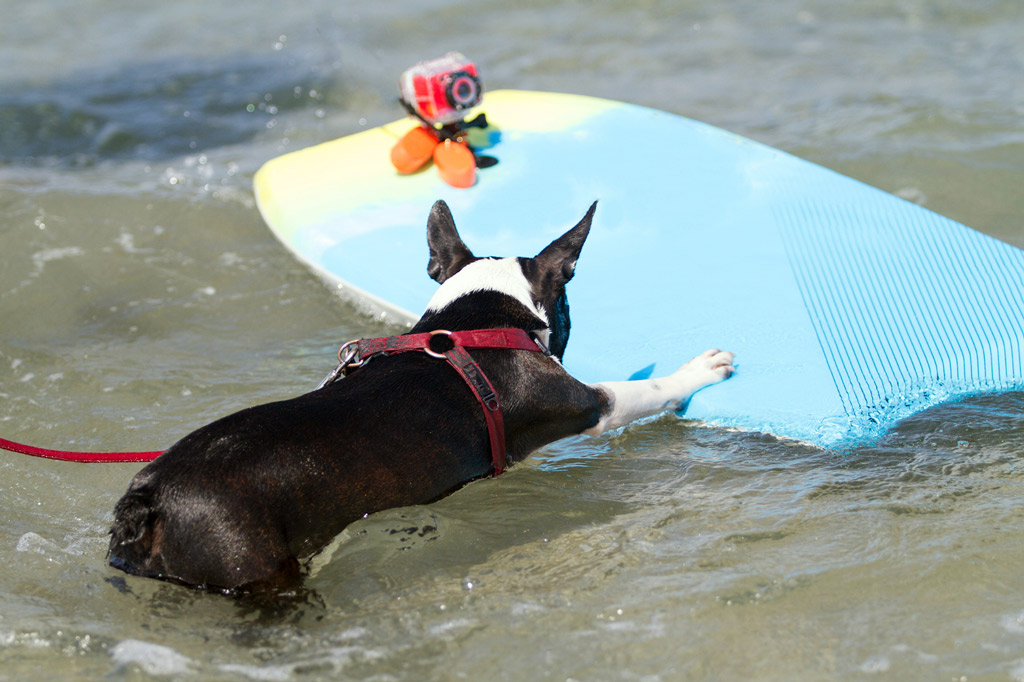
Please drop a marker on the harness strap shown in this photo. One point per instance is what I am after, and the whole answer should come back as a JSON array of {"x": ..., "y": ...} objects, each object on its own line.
[
  {"x": 513, "y": 339},
  {"x": 457, "y": 355},
  {"x": 459, "y": 358}
]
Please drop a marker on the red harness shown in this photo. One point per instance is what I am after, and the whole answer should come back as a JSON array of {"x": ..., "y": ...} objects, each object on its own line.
[
  {"x": 439, "y": 344},
  {"x": 450, "y": 346}
]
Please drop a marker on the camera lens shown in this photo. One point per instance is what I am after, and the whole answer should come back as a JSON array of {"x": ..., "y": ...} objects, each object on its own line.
[{"x": 463, "y": 90}]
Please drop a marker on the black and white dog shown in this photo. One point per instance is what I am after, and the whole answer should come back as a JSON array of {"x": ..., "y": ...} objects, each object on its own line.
[{"x": 238, "y": 503}]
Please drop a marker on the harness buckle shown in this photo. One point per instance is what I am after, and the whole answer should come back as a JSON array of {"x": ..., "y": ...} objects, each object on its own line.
[
  {"x": 347, "y": 352},
  {"x": 345, "y": 355}
]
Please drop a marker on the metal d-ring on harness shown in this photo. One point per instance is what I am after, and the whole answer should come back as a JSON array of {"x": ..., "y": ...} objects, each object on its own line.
[{"x": 450, "y": 346}]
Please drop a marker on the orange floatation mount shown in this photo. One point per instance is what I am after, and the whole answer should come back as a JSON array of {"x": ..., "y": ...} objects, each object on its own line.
[{"x": 438, "y": 93}]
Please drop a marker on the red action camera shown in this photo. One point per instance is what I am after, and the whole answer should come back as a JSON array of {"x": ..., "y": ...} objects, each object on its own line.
[{"x": 441, "y": 90}]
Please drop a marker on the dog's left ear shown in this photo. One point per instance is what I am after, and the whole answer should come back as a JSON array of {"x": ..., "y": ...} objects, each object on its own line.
[
  {"x": 448, "y": 253},
  {"x": 560, "y": 256}
]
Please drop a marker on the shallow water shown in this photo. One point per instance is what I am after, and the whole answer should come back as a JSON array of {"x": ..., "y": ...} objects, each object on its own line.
[{"x": 141, "y": 296}]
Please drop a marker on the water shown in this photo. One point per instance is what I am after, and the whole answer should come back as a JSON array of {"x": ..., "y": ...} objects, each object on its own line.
[{"x": 141, "y": 296}]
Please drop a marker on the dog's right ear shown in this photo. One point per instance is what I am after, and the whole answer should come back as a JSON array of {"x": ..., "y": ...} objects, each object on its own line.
[
  {"x": 448, "y": 253},
  {"x": 560, "y": 256}
]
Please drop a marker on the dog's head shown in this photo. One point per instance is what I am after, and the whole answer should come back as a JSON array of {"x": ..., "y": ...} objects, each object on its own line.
[{"x": 537, "y": 283}]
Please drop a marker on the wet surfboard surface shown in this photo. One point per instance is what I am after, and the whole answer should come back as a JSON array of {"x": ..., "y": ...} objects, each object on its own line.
[{"x": 848, "y": 308}]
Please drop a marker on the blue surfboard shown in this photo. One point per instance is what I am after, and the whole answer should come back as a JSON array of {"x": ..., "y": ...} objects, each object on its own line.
[{"x": 848, "y": 308}]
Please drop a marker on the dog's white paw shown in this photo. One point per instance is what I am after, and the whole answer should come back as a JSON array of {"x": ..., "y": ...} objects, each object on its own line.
[
  {"x": 630, "y": 400},
  {"x": 708, "y": 368}
]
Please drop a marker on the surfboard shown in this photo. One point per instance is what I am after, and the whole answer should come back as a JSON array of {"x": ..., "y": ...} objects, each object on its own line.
[{"x": 848, "y": 308}]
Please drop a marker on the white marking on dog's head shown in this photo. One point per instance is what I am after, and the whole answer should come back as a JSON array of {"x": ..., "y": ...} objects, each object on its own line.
[{"x": 503, "y": 275}]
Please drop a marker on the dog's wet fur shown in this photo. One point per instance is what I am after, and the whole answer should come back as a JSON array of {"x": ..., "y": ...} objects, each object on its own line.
[{"x": 237, "y": 505}]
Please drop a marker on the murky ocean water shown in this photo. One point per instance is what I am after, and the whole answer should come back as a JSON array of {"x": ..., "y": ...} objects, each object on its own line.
[{"x": 141, "y": 296}]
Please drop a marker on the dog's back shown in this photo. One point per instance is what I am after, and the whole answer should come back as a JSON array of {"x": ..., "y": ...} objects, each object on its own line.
[{"x": 293, "y": 474}]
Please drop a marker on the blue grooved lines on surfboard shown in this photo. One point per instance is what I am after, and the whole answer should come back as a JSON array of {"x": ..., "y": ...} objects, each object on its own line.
[{"x": 909, "y": 307}]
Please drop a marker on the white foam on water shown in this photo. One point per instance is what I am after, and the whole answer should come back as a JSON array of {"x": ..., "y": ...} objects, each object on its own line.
[
  {"x": 336, "y": 659},
  {"x": 875, "y": 665},
  {"x": 36, "y": 544},
  {"x": 452, "y": 625},
  {"x": 154, "y": 659},
  {"x": 1013, "y": 623},
  {"x": 41, "y": 258},
  {"x": 276, "y": 673},
  {"x": 9, "y": 638}
]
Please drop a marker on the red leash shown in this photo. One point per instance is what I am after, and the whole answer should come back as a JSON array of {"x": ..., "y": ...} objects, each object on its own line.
[
  {"x": 71, "y": 456},
  {"x": 450, "y": 346}
]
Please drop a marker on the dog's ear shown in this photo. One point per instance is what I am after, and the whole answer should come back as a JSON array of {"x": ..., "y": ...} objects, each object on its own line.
[
  {"x": 560, "y": 256},
  {"x": 448, "y": 254}
]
